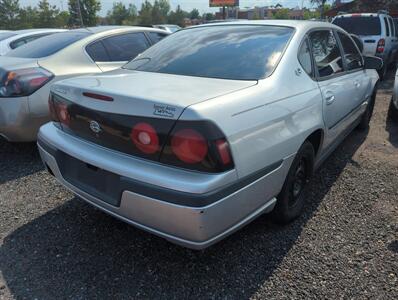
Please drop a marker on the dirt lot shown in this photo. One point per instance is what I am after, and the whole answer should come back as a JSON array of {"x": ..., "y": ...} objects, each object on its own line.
[{"x": 53, "y": 245}]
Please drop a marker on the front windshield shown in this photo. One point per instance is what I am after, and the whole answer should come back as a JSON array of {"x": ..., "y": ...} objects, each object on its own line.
[{"x": 240, "y": 52}]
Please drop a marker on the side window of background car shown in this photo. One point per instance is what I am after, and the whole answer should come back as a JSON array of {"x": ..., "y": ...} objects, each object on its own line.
[
  {"x": 125, "y": 47},
  {"x": 390, "y": 21},
  {"x": 327, "y": 55},
  {"x": 351, "y": 53},
  {"x": 156, "y": 36},
  {"x": 387, "y": 27},
  {"x": 97, "y": 52},
  {"x": 304, "y": 57}
]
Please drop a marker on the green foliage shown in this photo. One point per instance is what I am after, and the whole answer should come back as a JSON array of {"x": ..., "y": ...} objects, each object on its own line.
[
  {"x": 122, "y": 15},
  {"x": 281, "y": 14},
  {"x": 89, "y": 10},
  {"x": 145, "y": 14},
  {"x": 9, "y": 12},
  {"x": 194, "y": 14},
  {"x": 177, "y": 16},
  {"x": 208, "y": 16},
  {"x": 46, "y": 15},
  {"x": 308, "y": 14}
]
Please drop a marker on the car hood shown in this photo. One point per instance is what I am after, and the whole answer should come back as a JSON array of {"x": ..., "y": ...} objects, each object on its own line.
[{"x": 143, "y": 93}]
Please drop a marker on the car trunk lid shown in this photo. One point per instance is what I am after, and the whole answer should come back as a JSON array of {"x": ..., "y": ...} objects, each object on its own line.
[{"x": 104, "y": 109}]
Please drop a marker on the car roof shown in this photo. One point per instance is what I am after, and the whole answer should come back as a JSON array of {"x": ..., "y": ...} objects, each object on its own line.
[
  {"x": 36, "y": 30},
  {"x": 297, "y": 24},
  {"x": 361, "y": 14},
  {"x": 105, "y": 30}
]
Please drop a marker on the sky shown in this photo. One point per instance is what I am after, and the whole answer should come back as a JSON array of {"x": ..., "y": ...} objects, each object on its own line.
[{"x": 188, "y": 5}]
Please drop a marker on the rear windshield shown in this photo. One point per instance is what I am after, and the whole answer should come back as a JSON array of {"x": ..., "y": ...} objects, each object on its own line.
[
  {"x": 6, "y": 35},
  {"x": 240, "y": 52},
  {"x": 360, "y": 25},
  {"x": 48, "y": 45}
]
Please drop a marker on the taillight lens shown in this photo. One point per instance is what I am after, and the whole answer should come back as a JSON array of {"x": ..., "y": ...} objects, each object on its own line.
[
  {"x": 59, "y": 111},
  {"x": 197, "y": 145},
  {"x": 22, "y": 82},
  {"x": 189, "y": 146},
  {"x": 381, "y": 46},
  {"x": 145, "y": 138}
]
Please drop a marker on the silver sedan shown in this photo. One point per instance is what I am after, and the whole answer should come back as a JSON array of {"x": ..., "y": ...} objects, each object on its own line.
[
  {"x": 193, "y": 140},
  {"x": 27, "y": 72}
]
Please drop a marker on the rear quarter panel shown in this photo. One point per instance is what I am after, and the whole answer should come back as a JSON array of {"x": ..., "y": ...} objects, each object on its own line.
[{"x": 268, "y": 122}]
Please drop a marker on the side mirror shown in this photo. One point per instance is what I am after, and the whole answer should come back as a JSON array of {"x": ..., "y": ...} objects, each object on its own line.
[{"x": 373, "y": 63}]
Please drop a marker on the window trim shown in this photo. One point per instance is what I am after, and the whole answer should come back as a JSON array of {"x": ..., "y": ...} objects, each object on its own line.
[
  {"x": 318, "y": 78},
  {"x": 343, "y": 52}
]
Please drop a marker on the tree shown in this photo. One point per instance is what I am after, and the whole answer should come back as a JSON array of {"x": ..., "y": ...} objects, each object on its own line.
[
  {"x": 194, "y": 14},
  {"x": 89, "y": 10},
  {"x": 122, "y": 15},
  {"x": 145, "y": 14},
  {"x": 281, "y": 14},
  {"x": 177, "y": 16},
  {"x": 46, "y": 15},
  {"x": 62, "y": 19},
  {"x": 9, "y": 11},
  {"x": 27, "y": 17},
  {"x": 321, "y": 6},
  {"x": 208, "y": 16}
]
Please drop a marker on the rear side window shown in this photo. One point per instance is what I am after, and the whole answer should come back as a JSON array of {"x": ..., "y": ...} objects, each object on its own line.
[
  {"x": 237, "y": 52},
  {"x": 305, "y": 59},
  {"x": 125, "y": 47},
  {"x": 156, "y": 36},
  {"x": 97, "y": 52},
  {"x": 326, "y": 52},
  {"x": 360, "y": 25},
  {"x": 48, "y": 45},
  {"x": 387, "y": 26},
  {"x": 351, "y": 54}
]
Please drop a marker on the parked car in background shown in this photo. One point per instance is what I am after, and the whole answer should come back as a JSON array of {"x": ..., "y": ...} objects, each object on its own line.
[
  {"x": 14, "y": 39},
  {"x": 377, "y": 32},
  {"x": 394, "y": 99},
  {"x": 168, "y": 27},
  {"x": 27, "y": 72},
  {"x": 192, "y": 140}
]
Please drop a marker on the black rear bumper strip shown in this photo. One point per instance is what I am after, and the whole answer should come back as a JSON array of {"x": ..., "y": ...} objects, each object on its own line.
[{"x": 168, "y": 195}]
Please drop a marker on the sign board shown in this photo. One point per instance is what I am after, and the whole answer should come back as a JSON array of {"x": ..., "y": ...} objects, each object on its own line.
[{"x": 221, "y": 3}]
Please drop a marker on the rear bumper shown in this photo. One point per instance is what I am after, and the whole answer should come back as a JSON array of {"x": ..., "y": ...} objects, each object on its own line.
[
  {"x": 189, "y": 225},
  {"x": 16, "y": 122}
]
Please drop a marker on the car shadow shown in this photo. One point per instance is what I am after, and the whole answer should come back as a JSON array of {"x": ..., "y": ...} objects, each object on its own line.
[
  {"x": 18, "y": 160},
  {"x": 76, "y": 251},
  {"x": 392, "y": 127}
]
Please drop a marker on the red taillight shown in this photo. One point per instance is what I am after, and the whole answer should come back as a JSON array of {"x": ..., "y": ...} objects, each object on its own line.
[
  {"x": 189, "y": 146},
  {"x": 381, "y": 46},
  {"x": 23, "y": 82},
  {"x": 223, "y": 151},
  {"x": 145, "y": 138},
  {"x": 97, "y": 96},
  {"x": 63, "y": 114}
]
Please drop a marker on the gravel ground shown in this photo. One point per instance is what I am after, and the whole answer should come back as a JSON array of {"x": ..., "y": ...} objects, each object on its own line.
[{"x": 345, "y": 245}]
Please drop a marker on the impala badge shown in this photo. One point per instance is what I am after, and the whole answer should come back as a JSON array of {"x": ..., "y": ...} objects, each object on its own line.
[{"x": 95, "y": 127}]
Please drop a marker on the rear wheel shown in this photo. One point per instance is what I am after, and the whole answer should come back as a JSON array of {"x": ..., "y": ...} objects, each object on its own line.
[
  {"x": 394, "y": 110},
  {"x": 291, "y": 199}
]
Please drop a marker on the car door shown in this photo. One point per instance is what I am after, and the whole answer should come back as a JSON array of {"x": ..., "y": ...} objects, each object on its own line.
[
  {"x": 388, "y": 40},
  {"x": 113, "y": 52},
  {"x": 354, "y": 66},
  {"x": 336, "y": 85}
]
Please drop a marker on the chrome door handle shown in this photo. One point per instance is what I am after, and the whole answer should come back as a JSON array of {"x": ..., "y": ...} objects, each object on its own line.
[{"x": 330, "y": 98}]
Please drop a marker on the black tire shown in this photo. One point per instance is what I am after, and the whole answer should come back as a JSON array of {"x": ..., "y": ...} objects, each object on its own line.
[
  {"x": 367, "y": 115},
  {"x": 383, "y": 72},
  {"x": 393, "y": 111},
  {"x": 291, "y": 199}
]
